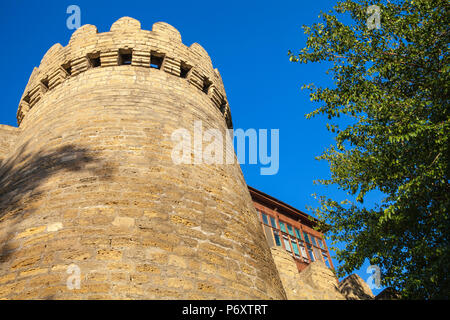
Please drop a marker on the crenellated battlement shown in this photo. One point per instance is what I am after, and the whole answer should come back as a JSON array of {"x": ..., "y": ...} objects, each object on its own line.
[{"x": 125, "y": 44}]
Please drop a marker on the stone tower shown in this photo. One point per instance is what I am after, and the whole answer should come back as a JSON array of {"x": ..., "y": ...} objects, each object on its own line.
[{"x": 89, "y": 190}]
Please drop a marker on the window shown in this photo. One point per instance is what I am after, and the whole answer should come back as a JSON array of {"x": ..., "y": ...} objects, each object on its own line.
[
  {"x": 264, "y": 218},
  {"x": 297, "y": 233},
  {"x": 184, "y": 69},
  {"x": 156, "y": 60},
  {"x": 223, "y": 106},
  {"x": 273, "y": 222},
  {"x": 325, "y": 259},
  {"x": 313, "y": 240},
  {"x": 320, "y": 241},
  {"x": 206, "y": 85},
  {"x": 306, "y": 237},
  {"x": 311, "y": 253},
  {"x": 94, "y": 60},
  {"x": 125, "y": 56},
  {"x": 317, "y": 254},
  {"x": 67, "y": 68},
  {"x": 45, "y": 83},
  {"x": 276, "y": 235},
  {"x": 295, "y": 248},
  {"x": 302, "y": 249},
  {"x": 27, "y": 99},
  {"x": 283, "y": 227},
  {"x": 291, "y": 231},
  {"x": 287, "y": 245}
]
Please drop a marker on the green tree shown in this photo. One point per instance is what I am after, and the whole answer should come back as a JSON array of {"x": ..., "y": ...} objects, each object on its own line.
[{"x": 391, "y": 86}]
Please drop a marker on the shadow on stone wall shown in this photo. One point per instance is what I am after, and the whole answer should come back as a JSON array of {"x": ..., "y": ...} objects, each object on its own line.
[
  {"x": 355, "y": 288},
  {"x": 389, "y": 294},
  {"x": 22, "y": 174}
]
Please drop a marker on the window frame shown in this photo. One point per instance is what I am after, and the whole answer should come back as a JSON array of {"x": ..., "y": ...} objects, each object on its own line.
[
  {"x": 273, "y": 221},
  {"x": 282, "y": 223},
  {"x": 294, "y": 244},
  {"x": 307, "y": 244},
  {"x": 310, "y": 250},
  {"x": 286, "y": 239},
  {"x": 276, "y": 235},
  {"x": 290, "y": 230},
  {"x": 263, "y": 215}
]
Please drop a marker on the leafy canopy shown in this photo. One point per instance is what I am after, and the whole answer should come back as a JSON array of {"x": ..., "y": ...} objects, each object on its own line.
[{"x": 391, "y": 85}]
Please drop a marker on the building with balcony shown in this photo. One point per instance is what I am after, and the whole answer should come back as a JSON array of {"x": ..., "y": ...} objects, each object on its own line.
[{"x": 291, "y": 229}]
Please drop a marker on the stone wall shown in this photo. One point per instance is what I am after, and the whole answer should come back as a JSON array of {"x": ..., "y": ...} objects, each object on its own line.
[
  {"x": 316, "y": 281},
  {"x": 8, "y": 136},
  {"x": 355, "y": 288},
  {"x": 289, "y": 274},
  {"x": 93, "y": 184}
]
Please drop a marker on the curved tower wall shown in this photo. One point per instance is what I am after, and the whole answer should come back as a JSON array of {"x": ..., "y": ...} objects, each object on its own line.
[{"x": 90, "y": 184}]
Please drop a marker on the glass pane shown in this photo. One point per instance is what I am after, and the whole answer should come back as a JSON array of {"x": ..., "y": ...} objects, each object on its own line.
[
  {"x": 297, "y": 233},
  {"x": 283, "y": 227},
  {"x": 306, "y": 237},
  {"x": 287, "y": 245},
  {"x": 291, "y": 231},
  {"x": 313, "y": 240},
  {"x": 320, "y": 243},
  {"x": 273, "y": 222},
  {"x": 265, "y": 220},
  {"x": 304, "y": 255},
  {"x": 302, "y": 249},
  {"x": 277, "y": 238},
  {"x": 317, "y": 254},
  {"x": 325, "y": 258},
  {"x": 311, "y": 253},
  {"x": 295, "y": 247}
]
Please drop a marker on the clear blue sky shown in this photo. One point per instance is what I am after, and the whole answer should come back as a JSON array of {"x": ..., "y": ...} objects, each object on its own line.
[{"x": 247, "y": 41}]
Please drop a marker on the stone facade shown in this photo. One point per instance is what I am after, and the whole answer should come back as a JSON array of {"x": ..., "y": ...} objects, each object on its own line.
[
  {"x": 316, "y": 281},
  {"x": 88, "y": 179},
  {"x": 8, "y": 136},
  {"x": 354, "y": 288}
]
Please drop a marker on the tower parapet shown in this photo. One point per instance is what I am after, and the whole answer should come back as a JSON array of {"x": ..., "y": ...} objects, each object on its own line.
[{"x": 160, "y": 48}]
